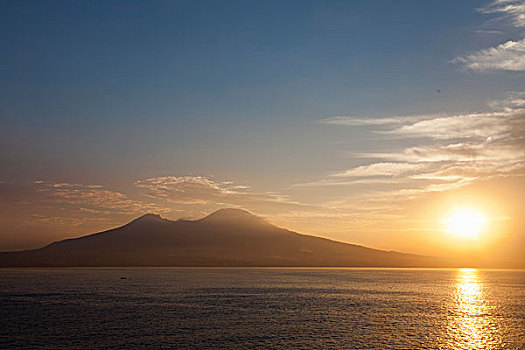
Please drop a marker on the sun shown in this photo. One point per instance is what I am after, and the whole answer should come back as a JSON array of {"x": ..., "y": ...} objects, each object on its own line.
[{"x": 465, "y": 222}]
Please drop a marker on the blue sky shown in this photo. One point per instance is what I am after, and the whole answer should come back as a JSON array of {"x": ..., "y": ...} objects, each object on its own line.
[{"x": 240, "y": 93}]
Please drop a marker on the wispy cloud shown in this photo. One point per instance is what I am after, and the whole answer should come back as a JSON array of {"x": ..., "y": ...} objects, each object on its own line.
[
  {"x": 467, "y": 126},
  {"x": 68, "y": 208},
  {"x": 90, "y": 198},
  {"x": 515, "y": 101},
  {"x": 74, "y": 205},
  {"x": 507, "y": 150},
  {"x": 510, "y": 55},
  {"x": 206, "y": 192},
  {"x": 444, "y": 152},
  {"x": 339, "y": 182},
  {"x": 71, "y": 221},
  {"x": 349, "y": 120},
  {"x": 512, "y": 11},
  {"x": 380, "y": 169}
]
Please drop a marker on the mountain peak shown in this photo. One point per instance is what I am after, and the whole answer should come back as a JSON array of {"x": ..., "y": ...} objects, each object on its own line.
[
  {"x": 150, "y": 217},
  {"x": 231, "y": 212},
  {"x": 232, "y": 215}
]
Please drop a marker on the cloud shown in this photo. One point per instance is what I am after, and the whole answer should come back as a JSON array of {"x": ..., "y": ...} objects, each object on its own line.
[
  {"x": 64, "y": 208},
  {"x": 512, "y": 11},
  {"x": 409, "y": 193},
  {"x": 442, "y": 152},
  {"x": 73, "y": 204},
  {"x": 205, "y": 192},
  {"x": 515, "y": 101},
  {"x": 492, "y": 151},
  {"x": 508, "y": 56},
  {"x": 463, "y": 126},
  {"x": 483, "y": 31},
  {"x": 334, "y": 182},
  {"x": 90, "y": 198},
  {"x": 70, "y": 221},
  {"x": 380, "y": 169},
  {"x": 185, "y": 189},
  {"x": 349, "y": 120}
]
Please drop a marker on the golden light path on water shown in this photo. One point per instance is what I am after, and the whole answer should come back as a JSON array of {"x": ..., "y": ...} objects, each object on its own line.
[{"x": 472, "y": 325}]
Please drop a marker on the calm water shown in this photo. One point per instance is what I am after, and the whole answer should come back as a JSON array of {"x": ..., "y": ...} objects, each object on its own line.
[{"x": 262, "y": 308}]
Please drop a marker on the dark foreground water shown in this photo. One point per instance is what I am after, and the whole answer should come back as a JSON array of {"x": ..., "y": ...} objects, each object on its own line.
[{"x": 262, "y": 308}]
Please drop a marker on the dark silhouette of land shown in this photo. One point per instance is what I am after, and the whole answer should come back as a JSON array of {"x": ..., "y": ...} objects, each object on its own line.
[{"x": 228, "y": 237}]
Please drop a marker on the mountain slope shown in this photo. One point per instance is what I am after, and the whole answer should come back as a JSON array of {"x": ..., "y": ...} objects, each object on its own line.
[{"x": 228, "y": 237}]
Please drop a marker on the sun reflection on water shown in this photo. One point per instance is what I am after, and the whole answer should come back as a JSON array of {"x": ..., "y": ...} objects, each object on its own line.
[{"x": 471, "y": 326}]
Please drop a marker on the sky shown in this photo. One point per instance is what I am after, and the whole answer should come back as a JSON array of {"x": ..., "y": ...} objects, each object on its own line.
[{"x": 368, "y": 122}]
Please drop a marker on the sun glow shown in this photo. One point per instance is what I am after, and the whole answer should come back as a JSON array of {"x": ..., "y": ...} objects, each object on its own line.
[{"x": 465, "y": 222}]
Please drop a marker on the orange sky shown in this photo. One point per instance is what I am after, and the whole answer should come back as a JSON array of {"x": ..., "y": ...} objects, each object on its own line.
[{"x": 337, "y": 120}]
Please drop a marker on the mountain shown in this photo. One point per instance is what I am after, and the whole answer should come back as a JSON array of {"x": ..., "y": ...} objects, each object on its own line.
[{"x": 228, "y": 237}]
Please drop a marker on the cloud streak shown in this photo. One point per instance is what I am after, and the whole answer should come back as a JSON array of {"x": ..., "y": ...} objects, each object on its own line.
[
  {"x": 60, "y": 209},
  {"x": 464, "y": 126},
  {"x": 205, "y": 192},
  {"x": 507, "y": 56},
  {"x": 444, "y": 152},
  {"x": 90, "y": 198},
  {"x": 512, "y": 11},
  {"x": 356, "y": 121},
  {"x": 380, "y": 169}
]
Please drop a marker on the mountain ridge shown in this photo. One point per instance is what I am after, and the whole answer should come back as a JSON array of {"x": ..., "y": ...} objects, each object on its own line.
[{"x": 227, "y": 237}]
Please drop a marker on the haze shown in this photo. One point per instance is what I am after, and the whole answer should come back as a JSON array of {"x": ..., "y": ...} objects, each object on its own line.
[{"x": 369, "y": 122}]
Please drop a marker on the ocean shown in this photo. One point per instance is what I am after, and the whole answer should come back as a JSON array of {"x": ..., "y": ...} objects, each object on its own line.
[{"x": 196, "y": 308}]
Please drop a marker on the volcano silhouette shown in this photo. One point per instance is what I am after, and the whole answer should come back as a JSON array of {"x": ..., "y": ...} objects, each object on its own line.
[{"x": 227, "y": 237}]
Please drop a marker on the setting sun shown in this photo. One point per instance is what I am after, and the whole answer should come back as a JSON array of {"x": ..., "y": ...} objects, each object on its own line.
[{"x": 465, "y": 222}]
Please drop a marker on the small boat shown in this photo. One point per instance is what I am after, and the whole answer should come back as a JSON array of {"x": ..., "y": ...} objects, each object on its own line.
[{"x": 123, "y": 277}]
